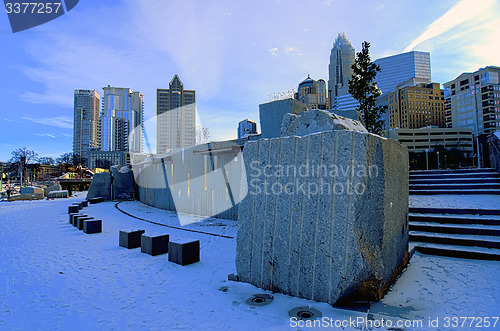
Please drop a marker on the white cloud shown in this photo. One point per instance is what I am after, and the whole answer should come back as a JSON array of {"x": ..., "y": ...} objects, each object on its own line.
[
  {"x": 59, "y": 121},
  {"x": 274, "y": 51},
  {"x": 49, "y": 135},
  {"x": 463, "y": 11}
]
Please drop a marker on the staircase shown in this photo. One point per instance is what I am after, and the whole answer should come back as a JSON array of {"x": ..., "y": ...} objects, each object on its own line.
[
  {"x": 462, "y": 181},
  {"x": 462, "y": 233}
]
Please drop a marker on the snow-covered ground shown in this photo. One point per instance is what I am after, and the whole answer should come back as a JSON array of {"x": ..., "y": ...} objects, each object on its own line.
[
  {"x": 53, "y": 276},
  {"x": 479, "y": 201}
]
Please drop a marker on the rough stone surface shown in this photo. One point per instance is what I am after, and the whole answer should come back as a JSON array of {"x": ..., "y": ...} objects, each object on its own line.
[
  {"x": 184, "y": 252},
  {"x": 100, "y": 186},
  {"x": 317, "y": 121},
  {"x": 123, "y": 182},
  {"x": 325, "y": 217},
  {"x": 154, "y": 244},
  {"x": 271, "y": 114},
  {"x": 131, "y": 239}
]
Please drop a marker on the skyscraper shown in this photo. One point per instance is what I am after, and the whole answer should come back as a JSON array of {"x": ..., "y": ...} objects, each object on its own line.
[
  {"x": 472, "y": 100},
  {"x": 121, "y": 120},
  {"x": 411, "y": 68},
  {"x": 339, "y": 69},
  {"x": 312, "y": 93},
  {"x": 85, "y": 124},
  {"x": 175, "y": 117}
]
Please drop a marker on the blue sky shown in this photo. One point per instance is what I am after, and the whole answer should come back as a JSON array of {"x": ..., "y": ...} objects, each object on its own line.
[{"x": 233, "y": 53}]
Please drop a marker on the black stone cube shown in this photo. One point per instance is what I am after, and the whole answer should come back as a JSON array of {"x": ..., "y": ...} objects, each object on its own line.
[
  {"x": 154, "y": 245},
  {"x": 92, "y": 226},
  {"x": 71, "y": 217},
  {"x": 131, "y": 239},
  {"x": 85, "y": 203},
  {"x": 184, "y": 252},
  {"x": 79, "y": 221},
  {"x": 73, "y": 209},
  {"x": 75, "y": 219}
]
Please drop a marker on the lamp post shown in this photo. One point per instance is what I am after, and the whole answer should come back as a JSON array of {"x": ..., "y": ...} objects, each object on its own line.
[
  {"x": 427, "y": 157},
  {"x": 438, "y": 158},
  {"x": 474, "y": 93}
]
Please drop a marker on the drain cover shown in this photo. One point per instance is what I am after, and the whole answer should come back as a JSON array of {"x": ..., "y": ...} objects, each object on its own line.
[
  {"x": 305, "y": 313},
  {"x": 260, "y": 299}
]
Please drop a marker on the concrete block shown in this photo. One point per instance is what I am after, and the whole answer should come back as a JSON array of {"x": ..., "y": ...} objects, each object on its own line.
[
  {"x": 92, "y": 226},
  {"x": 73, "y": 209},
  {"x": 95, "y": 200},
  {"x": 71, "y": 217},
  {"x": 131, "y": 238},
  {"x": 123, "y": 182},
  {"x": 184, "y": 252},
  {"x": 75, "y": 219},
  {"x": 326, "y": 216},
  {"x": 79, "y": 221},
  {"x": 85, "y": 203},
  {"x": 100, "y": 186},
  {"x": 154, "y": 244}
]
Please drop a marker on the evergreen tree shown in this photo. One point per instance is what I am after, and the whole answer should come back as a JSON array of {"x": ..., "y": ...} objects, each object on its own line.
[{"x": 363, "y": 88}]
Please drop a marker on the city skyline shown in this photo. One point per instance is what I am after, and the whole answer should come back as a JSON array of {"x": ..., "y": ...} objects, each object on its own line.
[{"x": 231, "y": 64}]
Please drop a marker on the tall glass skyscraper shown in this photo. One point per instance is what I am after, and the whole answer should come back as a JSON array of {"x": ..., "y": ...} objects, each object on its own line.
[
  {"x": 339, "y": 69},
  {"x": 400, "y": 68},
  {"x": 175, "y": 117},
  {"x": 85, "y": 124},
  {"x": 121, "y": 120}
]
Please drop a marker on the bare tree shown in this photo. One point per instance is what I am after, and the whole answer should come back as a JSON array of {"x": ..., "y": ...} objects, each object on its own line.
[
  {"x": 47, "y": 160},
  {"x": 290, "y": 93},
  {"x": 202, "y": 134},
  {"x": 22, "y": 156}
]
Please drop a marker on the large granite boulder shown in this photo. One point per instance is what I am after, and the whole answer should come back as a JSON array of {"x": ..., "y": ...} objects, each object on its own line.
[
  {"x": 100, "y": 186},
  {"x": 325, "y": 217},
  {"x": 317, "y": 121},
  {"x": 123, "y": 182},
  {"x": 271, "y": 115}
]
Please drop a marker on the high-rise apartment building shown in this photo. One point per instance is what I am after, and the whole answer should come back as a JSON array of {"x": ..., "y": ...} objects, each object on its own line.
[
  {"x": 176, "y": 117},
  {"x": 472, "y": 100},
  {"x": 121, "y": 120},
  {"x": 85, "y": 124},
  {"x": 246, "y": 127},
  {"x": 412, "y": 67},
  {"x": 340, "y": 71},
  {"x": 414, "y": 107},
  {"x": 312, "y": 93}
]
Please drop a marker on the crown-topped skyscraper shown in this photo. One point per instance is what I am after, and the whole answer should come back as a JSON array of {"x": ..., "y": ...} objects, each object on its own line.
[{"x": 340, "y": 71}]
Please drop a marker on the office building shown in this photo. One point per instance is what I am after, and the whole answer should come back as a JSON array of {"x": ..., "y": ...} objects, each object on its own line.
[
  {"x": 312, "y": 93},
  {"x": 85, "y": 124},
  {"x": 472, "y": 100},
  {"x": 176, "y": 117},
  {"x": 410, "y": 68},
  {"x": 413, "y": 107},
  {"x": 121, "y": 120},
  {"x": 246, "y": 128},
  {"x": 341, "y": 60},
  {"x": 432, "y": 138}
]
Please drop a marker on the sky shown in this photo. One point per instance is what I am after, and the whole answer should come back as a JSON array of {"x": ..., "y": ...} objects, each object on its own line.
[{"x": 233, "y": 53}]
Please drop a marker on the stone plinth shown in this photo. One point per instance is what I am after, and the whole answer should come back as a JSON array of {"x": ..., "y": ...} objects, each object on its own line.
[
  {"x": 71, "y": 217},
  {"x": 73, "y": 209},
  {"x": 92, "y": 226},
  {"x": 131, "y": 238},
  {"x": 184, "y": 252},
  {"x": 154, "y": 244},
  {"x": 80, "y": 220},
  {"x": 326, "y": 214}
]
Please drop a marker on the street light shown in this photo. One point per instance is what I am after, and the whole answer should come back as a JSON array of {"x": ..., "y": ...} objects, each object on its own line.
[
  {"x": 477, "y": 125},
  {"x": 427, "y": 157},
  {"x": 438, "y": 158}
]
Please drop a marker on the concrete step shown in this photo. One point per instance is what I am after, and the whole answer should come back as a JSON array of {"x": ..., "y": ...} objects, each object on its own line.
[
  {"x": 439, "y": 180},
  {"x": 456, "y": 186},
  {"x": 454, "y": 219},
  {"x": 454, "y": 171},
  {"x": 454, "y": 211},
  {"x": 455, "y": 239},
  {"x": 474, "y": 229},
  {"x": 451, "y": 191},
  {"x": 455, "y": 175},
  {"x": 463, "y": 252}
]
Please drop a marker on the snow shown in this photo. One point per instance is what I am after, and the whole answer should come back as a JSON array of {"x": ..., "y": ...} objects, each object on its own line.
[
  {"x": 480, "y": 201},
  {"x": 53, "y": 276}
]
